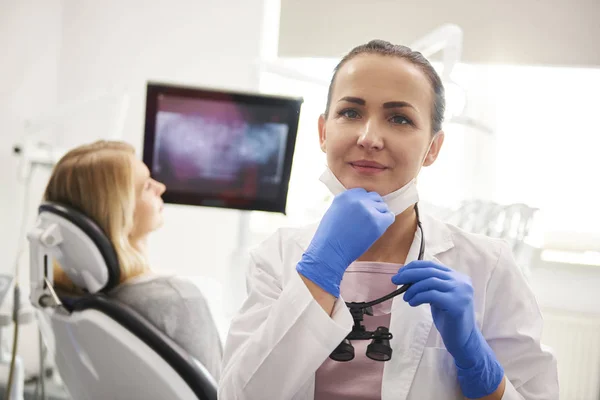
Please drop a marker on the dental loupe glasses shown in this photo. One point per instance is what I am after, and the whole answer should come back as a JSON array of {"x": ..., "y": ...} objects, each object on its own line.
[{"x": 379, "y": 349}]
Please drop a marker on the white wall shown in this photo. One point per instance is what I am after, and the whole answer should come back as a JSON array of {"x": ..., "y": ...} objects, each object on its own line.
[
  {"x": 567, "y": 287},
  {"x": 550, "y": 32},
  {"x": 29, "y": 43}
]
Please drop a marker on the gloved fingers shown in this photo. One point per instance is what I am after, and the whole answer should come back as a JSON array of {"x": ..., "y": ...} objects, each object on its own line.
[
  {"x": 354, "y": 193},
  {"x": 380, "y": 206},
  {"x": 437, "y": 299},
  {"x": 388, "y": 218},
  {"x": 375, "y": 197},
  {"x": 428, "y": 284},
  {"x": 414, "y": 275},
  {"x": 418, "y": 264}
]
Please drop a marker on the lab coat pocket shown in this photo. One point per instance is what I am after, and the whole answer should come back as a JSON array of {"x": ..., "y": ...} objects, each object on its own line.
[{"x": 436, "y": 376}]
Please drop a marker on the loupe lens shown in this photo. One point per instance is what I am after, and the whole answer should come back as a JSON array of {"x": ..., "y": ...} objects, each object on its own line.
[
  {"x": 378, "y": 351},
  {"x": 344, "y": 352}
]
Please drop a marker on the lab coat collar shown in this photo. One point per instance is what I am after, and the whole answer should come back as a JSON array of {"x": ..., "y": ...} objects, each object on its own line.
[{"x": 438, "y": 237}]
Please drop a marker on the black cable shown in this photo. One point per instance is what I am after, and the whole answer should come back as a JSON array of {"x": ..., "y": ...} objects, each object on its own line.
[{"x": 388, "y": 296}]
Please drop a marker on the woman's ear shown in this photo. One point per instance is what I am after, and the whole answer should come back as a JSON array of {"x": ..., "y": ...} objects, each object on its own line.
[
  {"x": 322, "y": 133},
  {"x": 434, "y": 149}
]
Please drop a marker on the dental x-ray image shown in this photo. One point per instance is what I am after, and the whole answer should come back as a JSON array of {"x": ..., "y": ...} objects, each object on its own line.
[
  {"x": 221, "y": 151},
  {"x": 196, "y": 149}
]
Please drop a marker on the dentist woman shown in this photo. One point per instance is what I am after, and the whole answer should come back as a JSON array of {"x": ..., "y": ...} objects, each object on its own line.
[{"x": 467, "y": 327}]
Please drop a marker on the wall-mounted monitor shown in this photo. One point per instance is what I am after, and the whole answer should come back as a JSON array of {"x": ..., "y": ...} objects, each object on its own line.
[{"x": 220, "y": 148}]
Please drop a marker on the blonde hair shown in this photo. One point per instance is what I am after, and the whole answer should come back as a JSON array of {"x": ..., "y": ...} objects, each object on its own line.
[{"x": 97, "y": 179}]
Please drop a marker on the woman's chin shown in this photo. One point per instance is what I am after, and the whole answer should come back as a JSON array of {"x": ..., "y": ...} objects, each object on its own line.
[
  {"x": 368, "y": 185},
  {"x": 159, "y": 222}
]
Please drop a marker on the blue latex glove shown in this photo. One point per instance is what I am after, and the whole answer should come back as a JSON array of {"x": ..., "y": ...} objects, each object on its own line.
[
  {"x": 450, "y": 295},
  {"x": 353, "y": 222}
]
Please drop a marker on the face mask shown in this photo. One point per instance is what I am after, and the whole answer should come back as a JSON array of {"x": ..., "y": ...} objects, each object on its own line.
[{"x": 397, "y": 201}]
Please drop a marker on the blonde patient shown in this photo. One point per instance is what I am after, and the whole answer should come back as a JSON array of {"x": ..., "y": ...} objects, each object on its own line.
[{"x": 105, "y": 181}]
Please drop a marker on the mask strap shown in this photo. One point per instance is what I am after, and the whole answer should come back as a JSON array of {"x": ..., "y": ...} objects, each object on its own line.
[{"x": 427, "y": 152}]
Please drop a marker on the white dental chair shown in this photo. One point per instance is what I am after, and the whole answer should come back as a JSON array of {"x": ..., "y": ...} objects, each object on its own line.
[{"x": 102, "y": 348}]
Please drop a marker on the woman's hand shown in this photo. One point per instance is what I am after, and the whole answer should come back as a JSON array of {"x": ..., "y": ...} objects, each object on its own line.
[
  {"x": 450, "y": 296},
  {"x": 353, "y": 222}
]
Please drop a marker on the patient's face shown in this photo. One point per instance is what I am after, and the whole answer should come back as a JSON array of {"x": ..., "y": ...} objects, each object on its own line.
[{"x": 149, "y": 204}]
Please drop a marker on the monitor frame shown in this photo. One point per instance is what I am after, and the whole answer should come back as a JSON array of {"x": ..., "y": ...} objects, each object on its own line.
[{"x": 155, "y": 89}]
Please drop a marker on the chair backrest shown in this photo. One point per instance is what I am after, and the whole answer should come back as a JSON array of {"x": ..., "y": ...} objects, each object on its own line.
[
  {"x": 104, "y": 349},
  {"x": 83, "y": 250}
]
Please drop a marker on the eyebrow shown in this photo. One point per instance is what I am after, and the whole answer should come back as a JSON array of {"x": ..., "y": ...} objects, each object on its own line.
[{"x": 389, "y": 104}]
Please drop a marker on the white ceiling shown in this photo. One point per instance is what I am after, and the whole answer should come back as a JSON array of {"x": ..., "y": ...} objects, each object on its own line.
[{"x": 529, "y": 32}]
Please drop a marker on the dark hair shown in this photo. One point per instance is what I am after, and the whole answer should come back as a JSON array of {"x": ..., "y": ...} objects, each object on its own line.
[{"x": 381, "y": 47}]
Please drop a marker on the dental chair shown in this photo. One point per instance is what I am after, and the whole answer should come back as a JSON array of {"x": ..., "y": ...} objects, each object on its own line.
[{"x": 102, "y": 348}]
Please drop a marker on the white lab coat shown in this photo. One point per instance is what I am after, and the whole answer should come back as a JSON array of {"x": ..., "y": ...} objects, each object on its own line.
[{"x": 281, "y": 335}]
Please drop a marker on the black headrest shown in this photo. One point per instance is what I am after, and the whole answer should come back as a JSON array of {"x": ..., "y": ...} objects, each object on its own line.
[
  {"x": 198, "y": 378},
  {"x": 93, "y": 231}
]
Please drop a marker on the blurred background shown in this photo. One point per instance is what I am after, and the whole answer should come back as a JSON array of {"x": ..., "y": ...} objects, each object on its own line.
[{"x": 520, "y": 158}]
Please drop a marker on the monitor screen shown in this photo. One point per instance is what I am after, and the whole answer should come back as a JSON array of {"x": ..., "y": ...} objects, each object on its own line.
[{"x": 220, "y": 149}]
